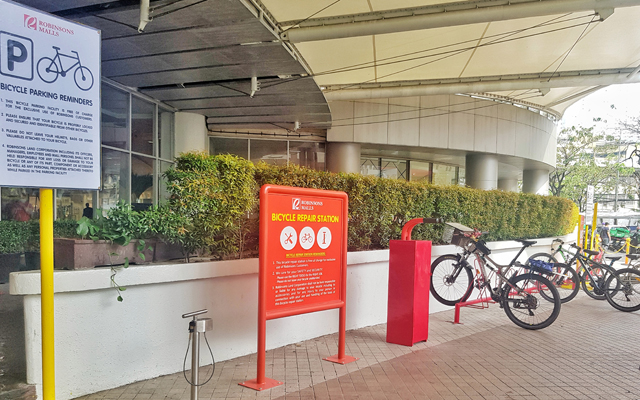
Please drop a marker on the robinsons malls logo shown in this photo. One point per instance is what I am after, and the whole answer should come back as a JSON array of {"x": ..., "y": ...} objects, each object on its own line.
[
  {"x": 31, "y": 22},
  {"x": 298, "y": 204}
]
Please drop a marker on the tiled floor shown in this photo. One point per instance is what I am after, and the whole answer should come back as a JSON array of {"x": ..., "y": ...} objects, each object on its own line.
[{"x": 591, "y": 352}]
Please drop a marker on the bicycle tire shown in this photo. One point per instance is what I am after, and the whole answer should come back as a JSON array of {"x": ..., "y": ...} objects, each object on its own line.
[
  {"x": 546, "y": 257},
  {"x": 520, "y": 307},
  {"x": 565, "y": 279},
  {"x": 442, "y": 288},
  {"x": 594, "y": 288},
  {"x": 622, "y": 290},
  {"x": 47, "y": 70},
  {"x": 83, "y": 70}
]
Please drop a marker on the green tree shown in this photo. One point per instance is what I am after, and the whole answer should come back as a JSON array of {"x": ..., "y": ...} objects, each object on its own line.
[{"x": 585, "y": 158}]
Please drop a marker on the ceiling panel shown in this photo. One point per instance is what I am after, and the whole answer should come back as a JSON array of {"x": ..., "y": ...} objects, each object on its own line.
[
  {"x": 254, "y": 111},
  {"x": 311, "y": 99},
  {"x": 200, "y": 56}
]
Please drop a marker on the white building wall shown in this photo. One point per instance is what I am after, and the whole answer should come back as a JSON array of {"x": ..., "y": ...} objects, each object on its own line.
[
  {"x": 446, "y": 122},
  {"x": 101, "y": 343},
  {"x": 190, "y": 132}
]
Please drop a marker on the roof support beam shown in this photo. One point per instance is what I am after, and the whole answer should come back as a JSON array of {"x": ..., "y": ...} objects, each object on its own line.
[
  {"x": 442, "y": 16},
  {"x": 485, "y": 84}
]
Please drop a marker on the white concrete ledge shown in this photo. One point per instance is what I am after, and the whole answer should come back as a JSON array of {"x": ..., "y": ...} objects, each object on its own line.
[{"x": 28, "y": 282}]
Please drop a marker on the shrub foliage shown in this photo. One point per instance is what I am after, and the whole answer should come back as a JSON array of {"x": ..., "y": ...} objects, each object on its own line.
[{"x": 219, "y": 194}]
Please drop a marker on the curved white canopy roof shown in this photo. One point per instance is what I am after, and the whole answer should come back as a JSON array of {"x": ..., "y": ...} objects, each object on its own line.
[{"x": 547, "y": 53}]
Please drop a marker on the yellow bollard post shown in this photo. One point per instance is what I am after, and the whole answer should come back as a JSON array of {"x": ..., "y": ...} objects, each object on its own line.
[
  {"x": 598, "y": 241},
  {"x": 594, "y": 223},
  {"x": 46, "y": 294},
  {"x": 627, "y": 245}
]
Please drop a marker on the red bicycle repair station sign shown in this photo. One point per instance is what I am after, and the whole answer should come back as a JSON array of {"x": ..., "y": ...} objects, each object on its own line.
[{"x": 303, "y": 245}]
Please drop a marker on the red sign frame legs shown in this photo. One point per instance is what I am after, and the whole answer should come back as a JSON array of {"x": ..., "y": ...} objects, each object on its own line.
[{"x": 303, "y": 262}]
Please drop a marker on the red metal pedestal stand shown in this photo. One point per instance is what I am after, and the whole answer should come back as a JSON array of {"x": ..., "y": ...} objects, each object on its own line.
[{"x": 409, "y": 281}]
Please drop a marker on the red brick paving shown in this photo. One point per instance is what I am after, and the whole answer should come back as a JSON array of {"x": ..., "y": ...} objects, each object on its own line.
[{"x": 592, "y": 351}]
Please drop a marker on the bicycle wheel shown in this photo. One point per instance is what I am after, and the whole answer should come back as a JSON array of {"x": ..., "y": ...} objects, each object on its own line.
[
  {"x": 526, "y": 307},
  {"x": 47, "y": 70},
  {"x": 546, "y": 257},
  {"x": 594, "y": 286},
  {"x": 83, "y": 78},
  {"x": 565, "y": 280},
  {"x": 622, "y": 289},
  {"x": 451, "y": 282}
]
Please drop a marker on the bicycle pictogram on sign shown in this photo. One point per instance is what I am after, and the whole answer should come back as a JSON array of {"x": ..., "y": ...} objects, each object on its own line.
[{"x": 50, "y": 68}]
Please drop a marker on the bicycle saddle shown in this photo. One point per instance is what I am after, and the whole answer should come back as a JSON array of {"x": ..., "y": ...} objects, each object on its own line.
[
  {"x": 613, "y": 258},
  {"x": 633, "y": 256},
  {"x": 591, "y": 252},
  {"x": 526, "y": 242}
]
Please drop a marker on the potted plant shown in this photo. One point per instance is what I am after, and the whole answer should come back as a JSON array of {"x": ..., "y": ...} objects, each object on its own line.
[
  {"x": 120, "y": 237},
  {"x": 13, "y": 237}
]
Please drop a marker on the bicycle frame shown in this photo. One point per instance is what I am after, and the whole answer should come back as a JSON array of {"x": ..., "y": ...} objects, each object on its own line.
[
  {"x": 483, "y": 278},
  {"x": 585, "y": 263},
  {"x": 59, "y": 56}
]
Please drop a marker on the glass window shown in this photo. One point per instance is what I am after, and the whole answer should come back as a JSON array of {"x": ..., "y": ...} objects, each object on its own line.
[
  {"x": 270, "y": 151},
  {"x": 394, "y": 169},
  {"x": 163, "y": 193},
  {"x": 115, "y": 117},
  {"x": 369, "y": 166},
  {"x": 444, "y": 175},
  {"x": 75, "y": 204},
  {"x": 20, "y": 204},
  {"x": 142, "y": 117},
  {"x": 115, "y": 178},
  {"x": 420, "y": 171},
  {"x": 165, "y": 134},
  {"x": 142, "y": 182},
  {"x": 307, "y": 154},
  {"x": 461, "y": 176},
  {"x": 238, "y": 147}
]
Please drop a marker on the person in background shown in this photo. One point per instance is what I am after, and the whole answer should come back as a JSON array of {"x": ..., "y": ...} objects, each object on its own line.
[
  {"x": 88, "y": 211},
  {"x": 605, "y": 236}
]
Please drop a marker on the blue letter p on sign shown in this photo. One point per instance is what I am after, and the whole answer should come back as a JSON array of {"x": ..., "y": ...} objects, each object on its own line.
[{"x": 16, "y": 56}]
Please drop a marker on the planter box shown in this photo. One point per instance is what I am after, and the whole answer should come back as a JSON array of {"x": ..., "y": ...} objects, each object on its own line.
[
  {"x": 31, "y": 260},
  {"x": 8, "y": 263},
  {"x": 85, "y": 254}
]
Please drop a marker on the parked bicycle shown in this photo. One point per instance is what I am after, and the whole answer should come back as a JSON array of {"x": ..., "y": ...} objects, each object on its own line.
[
  {"x": 621, "y": 288},
  {"x": 590, "y": 271},
  {"x": 49, "y": 69},
  {"x": 520, "y": 295},
  {"x": 564, "y": 276},
  {"x": 627, "y": 296}
]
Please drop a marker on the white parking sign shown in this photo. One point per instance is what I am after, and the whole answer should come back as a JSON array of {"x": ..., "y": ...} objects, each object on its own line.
[{"x": 49, "y": 100}]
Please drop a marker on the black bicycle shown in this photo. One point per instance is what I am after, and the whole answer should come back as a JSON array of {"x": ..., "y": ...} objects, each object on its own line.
[
  {"x": 621, "y": 288},
  {"x": 49, "y": 69},
  {"x": 530, "y": 300}
]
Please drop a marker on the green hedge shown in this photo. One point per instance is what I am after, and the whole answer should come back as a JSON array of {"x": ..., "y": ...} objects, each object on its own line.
[
  {"x": 17, "y": 236},
  {"x": 223, "y": 190},
  {"x": 379, "y": 207}
]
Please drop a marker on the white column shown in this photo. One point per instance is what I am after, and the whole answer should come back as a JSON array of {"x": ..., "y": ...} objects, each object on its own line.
[
  {"x": 481, "y": 171},
  {"x": 343, "y": 157},
  {"x": 535, "y": 181},
  {"x": 190, "y": 132},
  {"x": 508, "y": 184}
]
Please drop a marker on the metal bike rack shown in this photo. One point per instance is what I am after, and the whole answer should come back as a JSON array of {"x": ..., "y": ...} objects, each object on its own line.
[{"x": 196, "y": 327}]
